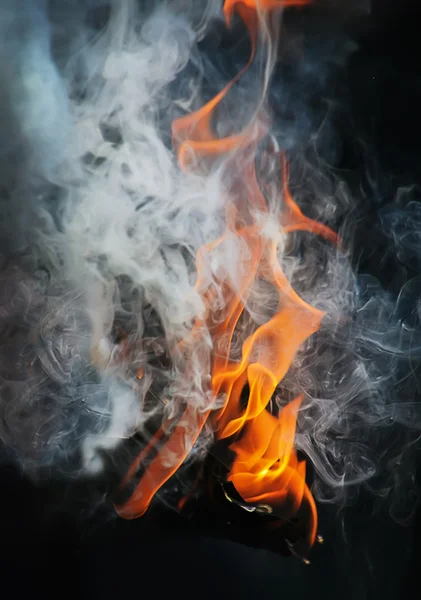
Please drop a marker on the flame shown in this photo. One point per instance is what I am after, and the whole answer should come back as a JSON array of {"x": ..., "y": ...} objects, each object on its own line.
[
  {"x": 249, "y": 9},
  {"x": 266, "y": 469}
]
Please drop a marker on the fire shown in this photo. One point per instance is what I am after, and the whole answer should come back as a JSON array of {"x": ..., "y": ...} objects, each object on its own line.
[{"x": 266, "y": 469}]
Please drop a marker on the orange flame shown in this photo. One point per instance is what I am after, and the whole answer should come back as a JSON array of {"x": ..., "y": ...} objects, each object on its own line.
[
  {"x": 254, "y": 5},
  {"x": 266, "y": 468}
]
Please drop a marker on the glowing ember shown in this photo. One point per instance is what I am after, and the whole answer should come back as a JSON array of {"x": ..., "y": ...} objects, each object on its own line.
[{"x": 266, "y": 470}]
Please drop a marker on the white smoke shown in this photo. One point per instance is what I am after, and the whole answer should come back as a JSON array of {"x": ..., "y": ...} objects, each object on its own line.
[
  {"x": 121, "y": 226},
  {"x": 101, "y": 229}
]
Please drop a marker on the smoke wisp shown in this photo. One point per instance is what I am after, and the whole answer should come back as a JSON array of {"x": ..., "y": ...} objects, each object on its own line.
[{"x": 100, "y": 229}]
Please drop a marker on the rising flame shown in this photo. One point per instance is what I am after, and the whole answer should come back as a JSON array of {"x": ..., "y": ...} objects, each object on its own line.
[{"x": 266, "y": 469}]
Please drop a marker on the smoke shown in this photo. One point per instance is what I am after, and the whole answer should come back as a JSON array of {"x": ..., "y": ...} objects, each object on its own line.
[
  {"x": 100, "y": 230},
  {"x": 99, "y": 227}
]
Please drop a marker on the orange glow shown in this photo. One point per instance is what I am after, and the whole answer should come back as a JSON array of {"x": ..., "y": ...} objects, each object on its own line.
[
  {"x": 257, "y": 5},
  {"x": 266, "y": 468}
]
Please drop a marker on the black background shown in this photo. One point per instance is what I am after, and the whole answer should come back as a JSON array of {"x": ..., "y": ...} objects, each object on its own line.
[{"x": 47, "y": 546}]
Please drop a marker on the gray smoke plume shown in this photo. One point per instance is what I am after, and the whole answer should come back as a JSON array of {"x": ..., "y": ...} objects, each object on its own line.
[{"x": 100, "y": 229}]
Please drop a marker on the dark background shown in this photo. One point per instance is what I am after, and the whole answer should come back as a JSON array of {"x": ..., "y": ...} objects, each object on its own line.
[{"x": 50, "y": 545}]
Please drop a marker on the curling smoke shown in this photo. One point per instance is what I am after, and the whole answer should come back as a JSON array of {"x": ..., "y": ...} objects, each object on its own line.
[{"x": 100, "y": 230}]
